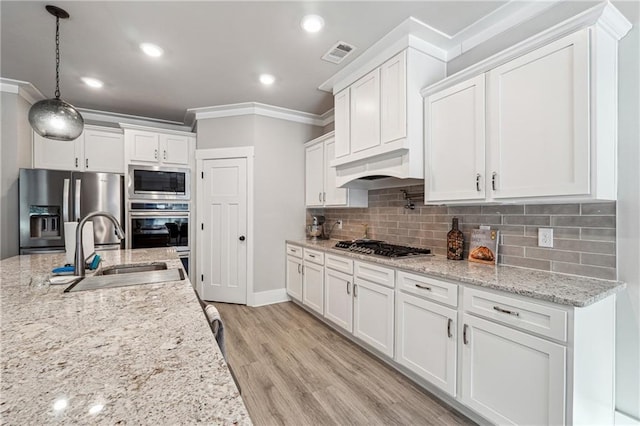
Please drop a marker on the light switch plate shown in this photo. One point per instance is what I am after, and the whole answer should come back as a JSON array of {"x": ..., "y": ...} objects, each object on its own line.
[{"x": 545, "y": 237}]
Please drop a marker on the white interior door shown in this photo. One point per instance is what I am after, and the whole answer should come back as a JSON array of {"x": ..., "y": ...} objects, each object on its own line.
[{"x": 223, "y": 258}]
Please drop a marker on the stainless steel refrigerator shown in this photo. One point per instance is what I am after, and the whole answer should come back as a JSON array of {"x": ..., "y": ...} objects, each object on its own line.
[{"x": 48, "y": 198}]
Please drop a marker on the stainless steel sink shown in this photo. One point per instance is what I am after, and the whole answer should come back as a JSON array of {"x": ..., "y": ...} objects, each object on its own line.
[
  {"x": 127, "y": 275},
  {"x": 130, "y": 269}
]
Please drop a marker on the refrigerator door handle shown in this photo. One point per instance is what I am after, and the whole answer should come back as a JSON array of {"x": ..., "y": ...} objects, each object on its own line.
[
  {"x": 65, "y": 200},
  {"x": 77, "y": 199}
]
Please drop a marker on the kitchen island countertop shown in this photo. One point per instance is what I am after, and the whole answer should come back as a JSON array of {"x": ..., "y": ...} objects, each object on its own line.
[
  {"x": 549, "y": 286},
  {"x": 142, "y": 354}
]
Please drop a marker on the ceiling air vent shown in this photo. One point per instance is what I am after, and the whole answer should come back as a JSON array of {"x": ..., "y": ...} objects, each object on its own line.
[{"x": 338, "y": 52}]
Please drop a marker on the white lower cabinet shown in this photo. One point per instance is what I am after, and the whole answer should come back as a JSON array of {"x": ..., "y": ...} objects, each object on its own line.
[
  {"x": 338, "y": 298},
  {"x": 511, "y": 377},
  {"x": 294, "y": 277},
  {"x": 373, "y": 315},
  {"x": 426, "y": 340},
  {"x": 313, "y": 286}
]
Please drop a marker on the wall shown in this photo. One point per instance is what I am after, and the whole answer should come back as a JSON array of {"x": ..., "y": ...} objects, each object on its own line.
[
  {"x": 15, "y": 152},
  {"x": 279, "y": 183},
  {"x": 584, "y": 234},
  {"x": 628, "y": 306}
]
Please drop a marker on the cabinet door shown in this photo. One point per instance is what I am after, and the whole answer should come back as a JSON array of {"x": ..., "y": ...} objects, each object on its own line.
[
  {"x": 539, "y": 122},
  {"x": 511, "y": 377},
  {"x": 143, "y": 146},
  {"x": 103, "y": 151},
  {"x": 314, "y": 177},
  {"x": 313, "y": 287},
  {"x": 393, "y": 99},
  {"x": 334, "y": 196},
  {"x": 58, "y": 155},
  {"x": 294, "y": 277},
  {"x": 342, "y": 123},
  {"x": 338, "y": 307},
  {"x": 373, "y": 315},
  {"x": 426, "y": 340},
  {"x": 174, "y": 149},
  {"x": 455, "y": 142},
  {"x": 365, "y": 112}
]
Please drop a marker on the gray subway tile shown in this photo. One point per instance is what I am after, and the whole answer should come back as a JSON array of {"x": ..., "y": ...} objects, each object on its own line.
[
  {"x": 464, "y": 210},
  {"x": 527, "y": 220},
  {"x": 598, "y": 260},
  {"x": 552, "y": 209},
  {"x": 558, "y": 232},
  {"x": 584, "y": 270},
  {"x": 598, "y": 234},
  {"x": 503, "y": 209},
  {"x": 483, "y": 219},
  {"x": 551, "y": 254},
  {"x": 513, "y": 240},
  {"x": 511, "y": 251},
  {"x": 523, "y": 262},
  {"x": 602, "y": 209},
  {"x": 603, "y": 247},
  {"x": 585, "y": 221},
  {"x": 509, "y": 229}
]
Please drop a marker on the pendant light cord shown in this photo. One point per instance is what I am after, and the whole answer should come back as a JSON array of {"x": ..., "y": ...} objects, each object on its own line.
[{"x": 57, "y": 93}]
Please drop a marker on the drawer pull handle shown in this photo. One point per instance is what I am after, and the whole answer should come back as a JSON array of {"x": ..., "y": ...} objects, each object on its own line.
[
  {"x": 505, "y": 311},
  {"x": 299, "y": 267},
  {"x": 449, "y": 323},
  {"x": 464, "y": 334},
  {"x": 312, "y": 256},
  {"x": 478, "y": 182},
  {"x": 355, "y": 290},
  {"x": 424, "y": 287},
  {"x": 493, "y": 180},
  {"x": 348, "y": 287}
]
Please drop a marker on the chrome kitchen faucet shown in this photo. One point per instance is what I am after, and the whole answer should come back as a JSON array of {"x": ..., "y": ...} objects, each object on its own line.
[{"x": 79, "y": 255}]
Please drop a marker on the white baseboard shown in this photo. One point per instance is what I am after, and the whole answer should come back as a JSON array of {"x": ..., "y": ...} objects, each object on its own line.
[
  {"x": 623, "y": 419},
  {"x": 270, "y": 297}
]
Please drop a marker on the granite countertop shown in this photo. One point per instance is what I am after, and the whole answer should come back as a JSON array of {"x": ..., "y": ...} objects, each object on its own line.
[
  {"x": 549, "y": 286},
  {"x": 130, "y": 355}
]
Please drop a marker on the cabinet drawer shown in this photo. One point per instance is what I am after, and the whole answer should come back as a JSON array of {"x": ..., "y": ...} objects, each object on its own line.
[
  {"x": 339, "y": 263},
  {"x": 428, "y": 288},
  {"x": 374, "y": 274},
  {"x": 314, "y": 256},
  {"x": 295, "y": 251},
  {"x": 544, "y": 320}
]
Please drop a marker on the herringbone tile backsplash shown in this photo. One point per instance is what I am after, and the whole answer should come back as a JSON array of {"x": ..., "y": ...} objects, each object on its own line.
[{"x": 584, "y": 234}]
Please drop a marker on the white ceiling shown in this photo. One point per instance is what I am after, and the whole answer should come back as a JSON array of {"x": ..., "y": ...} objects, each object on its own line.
[{"x": 214, "y": 51}]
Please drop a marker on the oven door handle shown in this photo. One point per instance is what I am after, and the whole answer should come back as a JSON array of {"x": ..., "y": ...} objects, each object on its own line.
[{"x": 181, "y": 214}]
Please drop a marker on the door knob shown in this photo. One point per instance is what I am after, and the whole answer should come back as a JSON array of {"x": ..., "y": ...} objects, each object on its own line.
[{"x": 241, "y": 238}]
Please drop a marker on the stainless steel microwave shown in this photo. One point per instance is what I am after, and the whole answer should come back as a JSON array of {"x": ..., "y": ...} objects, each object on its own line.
[{"x": 159, "y": 183}]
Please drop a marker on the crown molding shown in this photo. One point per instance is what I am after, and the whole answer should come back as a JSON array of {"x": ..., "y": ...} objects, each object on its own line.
[
  {"x": 256, "y": 108},
  {"x": 114, "y": 118},
  {"x": 328, "y": 117},
  {"x": 24, "y": 89},
  {"x": 154, "y": 128}
]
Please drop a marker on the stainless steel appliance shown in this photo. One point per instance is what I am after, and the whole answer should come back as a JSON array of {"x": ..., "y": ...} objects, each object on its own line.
[
  {"x": 48, "y": 198},
  {"x": 316, "y": 229},
  {"x": 159, "y": 183},
  {"x": 162, "y": 224},
  {"x": 380, "y": 248}
]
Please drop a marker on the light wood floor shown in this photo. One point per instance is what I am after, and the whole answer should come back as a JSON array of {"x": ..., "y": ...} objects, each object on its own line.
[{"x": 295, "y": 370}]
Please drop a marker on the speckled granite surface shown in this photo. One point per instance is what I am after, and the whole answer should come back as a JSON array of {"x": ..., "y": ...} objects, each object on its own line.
[
  {"x": 130, "y": 355},
  {"x": 552, "y": 287}
]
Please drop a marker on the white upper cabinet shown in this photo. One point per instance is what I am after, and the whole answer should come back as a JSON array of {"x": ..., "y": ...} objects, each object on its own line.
[
  {"x": 320, "y": 178},
  {"x": 97, "y": 149},
  {"x": 539, "y": 122},
  {"x": 455, "y": 142},
  {"x": 157, "y": 147},
  {"x": 365, "y": 112},
  {"x": 341, "y": 117},
  {"x": 393, "y": 99},
  {"x": 551, "y": 120}
]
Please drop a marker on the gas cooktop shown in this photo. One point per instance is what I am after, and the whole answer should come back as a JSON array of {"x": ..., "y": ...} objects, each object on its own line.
[{"x": 381, "y": 248}]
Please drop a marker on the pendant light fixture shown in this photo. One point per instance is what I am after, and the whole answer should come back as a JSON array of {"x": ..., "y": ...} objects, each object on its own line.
[{"x": 55, "y": 118}]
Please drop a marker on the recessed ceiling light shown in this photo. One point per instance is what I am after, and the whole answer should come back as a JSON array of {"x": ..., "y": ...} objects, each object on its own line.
[
  {"x": 92, "y": 82},
  {"x": 312, "y": 23},
  {"x": 151, "y": 49},
  {"x": 267, "y": 79}
]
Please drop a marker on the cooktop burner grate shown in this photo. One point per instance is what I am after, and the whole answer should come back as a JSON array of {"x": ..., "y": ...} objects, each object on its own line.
[{"x": 381, "y": 248}]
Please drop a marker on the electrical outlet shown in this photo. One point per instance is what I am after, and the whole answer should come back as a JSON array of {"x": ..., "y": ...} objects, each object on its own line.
[
  {"x": 545, "y": 237},
  {"x": 339, "y": 223}
]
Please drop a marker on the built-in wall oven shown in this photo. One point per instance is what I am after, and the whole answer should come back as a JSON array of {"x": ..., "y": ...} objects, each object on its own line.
[
  {"x": 158, "y": 183},
  {"x": 160, "y": 224}
]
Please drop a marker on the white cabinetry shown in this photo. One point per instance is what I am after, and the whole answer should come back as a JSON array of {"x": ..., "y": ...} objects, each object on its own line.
[
  {"x": 342, "y": 130},
  {"x": 313, "y": 280},
  {"x": 320, "y": 178},
  {"x": 158, "y": 147},
  {"x": 338, "y": 307},
  {"x": 393, "y": 99},
  {"x": 294, "y": 272},
  {"x": 97, "y": 149},
  {"x": 551, "y": 119},
  {"x": 373, "y": 306},
  {"x": 365, "y": 112}
]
